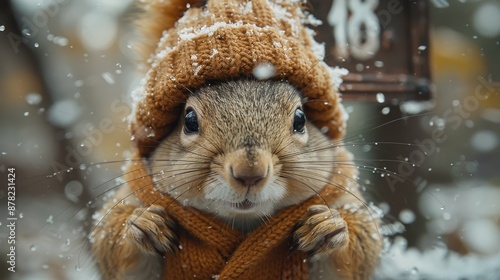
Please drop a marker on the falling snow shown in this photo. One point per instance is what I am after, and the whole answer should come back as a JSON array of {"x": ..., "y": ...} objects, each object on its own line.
[
  {"x": 108, "y": 77},
  {"x": 64, "y": 113},
  {"x": 264, "y": 71},
  {"x": 386, "y": 110},
  {"x": 380, "y": 97},
  {"x": 416, "y": 107},
  {"x": 33, "y": 98},
  {"x": 484, "y": 141},
  {"x": 486, "y": 19},
  {"x": 407, "y": 216}
]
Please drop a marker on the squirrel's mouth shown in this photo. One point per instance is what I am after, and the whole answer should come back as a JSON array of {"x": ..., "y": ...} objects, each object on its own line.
[{"x": 244, "y": 205}]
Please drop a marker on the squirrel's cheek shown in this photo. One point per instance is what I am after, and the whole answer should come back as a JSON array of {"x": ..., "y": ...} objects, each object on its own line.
[
  {"x": 302, "y": 138},
  {"x": 188, "y": 140}
]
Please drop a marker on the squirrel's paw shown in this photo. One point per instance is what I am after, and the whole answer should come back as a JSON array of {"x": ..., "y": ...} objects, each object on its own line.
[
  {"x": 321, "y": 231},
  {"x": 152, "y": 230}
]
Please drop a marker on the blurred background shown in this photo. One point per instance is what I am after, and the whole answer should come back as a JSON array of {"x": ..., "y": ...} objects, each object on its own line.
[{"x": 66, "y": 72}]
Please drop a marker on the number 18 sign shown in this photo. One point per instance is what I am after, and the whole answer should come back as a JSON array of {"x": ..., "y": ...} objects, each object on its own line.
[{"x": 383, "y": 44}]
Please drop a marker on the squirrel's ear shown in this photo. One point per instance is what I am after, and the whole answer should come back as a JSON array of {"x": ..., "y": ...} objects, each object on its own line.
[{"x": 155, "y": 17}]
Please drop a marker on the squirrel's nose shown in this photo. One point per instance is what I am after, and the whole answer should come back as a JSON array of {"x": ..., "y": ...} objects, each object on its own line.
[
  {"x": 248, "y": 181},
  {"x": 247, "y": 175}
]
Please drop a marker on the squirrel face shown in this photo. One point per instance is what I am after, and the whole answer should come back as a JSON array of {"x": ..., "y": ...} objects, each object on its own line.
[{"x": 243, "y": 149}]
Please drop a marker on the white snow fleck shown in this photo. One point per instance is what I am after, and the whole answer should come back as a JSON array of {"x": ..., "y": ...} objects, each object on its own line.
[
  {"x": 2, "y": 28},
  {"x": 439, "y": 123},
  {"x": 214, "y": 52},
  {"x": 138, "y": 94},
  {"x": 380, "y": 97},
  {"x": 407, "y": 216},
  {"x": 50, "y": 219},
  {"x": 345, "y": 114},
  {"x": 264, "y": 70},
  {"x": 416, "y": 107},
  {"x": 312, "y": 20},
  {"x": 73, "y": 190},
  {"x": 26, "y": 114},
  {"x": 58, "y": 40},
  {"x": 108, "y": 77},
  {"x": 392, "y": 228},
  {"x": 378, "y": 63},
  {"x": 336, "y": 74},
  {"x": 196, "y": 70},
  {"x": 246, "y": 8},
  {"x": 484, "y": 141},
  {"x": 486, "y": 19},
  {"x": 163, "y": 53},
  {"x": 78, "y": 83},
  {"x": 33, "y": 98},
  {"x": 317, "y": 48},
  {"x": 27, "y": 32},
  {"x": 150, "y": 133},
  {"x": 189, "y": 33},
  {"x": 97, "y": 216},
  {"x": 386, "y": 110},
  {"x": 64, "y": 113},
  {"x": 422, "y": 48},
  {"x": 280, "y": 12}
]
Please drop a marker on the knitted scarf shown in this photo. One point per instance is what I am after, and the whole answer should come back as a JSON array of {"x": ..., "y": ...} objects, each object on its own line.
[{"x": 211, "y": 249}]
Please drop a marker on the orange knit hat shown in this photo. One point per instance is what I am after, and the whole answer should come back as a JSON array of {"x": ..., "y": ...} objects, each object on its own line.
[{"x": 228, "y": 39}]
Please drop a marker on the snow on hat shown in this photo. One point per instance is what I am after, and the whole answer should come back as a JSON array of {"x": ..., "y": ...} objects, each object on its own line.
[{"x": 227, "y": 39}]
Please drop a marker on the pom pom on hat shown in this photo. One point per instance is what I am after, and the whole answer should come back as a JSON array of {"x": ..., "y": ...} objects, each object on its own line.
[{"x": 227, "y": 40}]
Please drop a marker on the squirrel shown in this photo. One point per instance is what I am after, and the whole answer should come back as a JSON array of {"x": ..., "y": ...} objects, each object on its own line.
[{"x": 239, "y": 150}]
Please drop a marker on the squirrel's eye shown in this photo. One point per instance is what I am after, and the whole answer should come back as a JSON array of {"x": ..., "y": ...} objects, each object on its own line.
[
  {"x": 299, "y": 121},
  {"x": 191, "y": 122}
]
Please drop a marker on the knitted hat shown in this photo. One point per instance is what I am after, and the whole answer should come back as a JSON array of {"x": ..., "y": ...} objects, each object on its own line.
[{"x": 228, "y": 39}]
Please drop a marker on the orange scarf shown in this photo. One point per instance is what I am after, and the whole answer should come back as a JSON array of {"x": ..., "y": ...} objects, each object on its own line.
[{"x": 211, "y": 249}]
